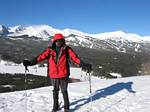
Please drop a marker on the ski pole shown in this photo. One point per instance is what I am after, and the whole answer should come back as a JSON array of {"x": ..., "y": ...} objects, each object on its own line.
[
  {"x": 90, "y": 82},
  {"x": 81, "y": 72},
  {"x": 90, "y": 87},
  {"x": 26, "y": 69}
]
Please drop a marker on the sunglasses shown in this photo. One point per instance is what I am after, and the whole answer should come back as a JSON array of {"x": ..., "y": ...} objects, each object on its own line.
[{"x": 59, "y": 40}]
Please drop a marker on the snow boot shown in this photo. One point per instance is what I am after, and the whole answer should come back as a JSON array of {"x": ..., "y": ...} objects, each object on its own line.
[
  {"x": 66, "y": 110},
  {"x": 53, "y": 111}
]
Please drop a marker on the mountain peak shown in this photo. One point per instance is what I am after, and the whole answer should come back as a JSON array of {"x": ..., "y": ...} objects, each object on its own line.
[
  {"x": 3, "y": 30},
  {"x": 119, "y": 32},
  {"x": 17, "y": 28},
  {"x": 40, "y": 26}
]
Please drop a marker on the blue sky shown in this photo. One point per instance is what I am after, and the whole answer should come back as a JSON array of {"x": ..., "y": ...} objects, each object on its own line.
[{"x": 91, "y": 16}]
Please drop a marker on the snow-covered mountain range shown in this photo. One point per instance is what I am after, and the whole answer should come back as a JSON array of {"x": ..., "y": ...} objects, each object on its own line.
[{"x": 118, "y": 40}]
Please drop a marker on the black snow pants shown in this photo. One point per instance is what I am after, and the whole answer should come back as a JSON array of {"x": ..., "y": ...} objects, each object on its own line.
[{"x": 60, "y": 83}]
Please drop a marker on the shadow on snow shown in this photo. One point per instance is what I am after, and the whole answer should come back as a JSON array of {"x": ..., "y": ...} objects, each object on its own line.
[{"x": 102, "y": 93}]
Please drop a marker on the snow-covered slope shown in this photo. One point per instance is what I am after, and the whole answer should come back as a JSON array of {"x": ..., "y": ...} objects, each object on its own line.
[
  {"x": 114, "y": 95},
  {"x": 118, "y": 40}
]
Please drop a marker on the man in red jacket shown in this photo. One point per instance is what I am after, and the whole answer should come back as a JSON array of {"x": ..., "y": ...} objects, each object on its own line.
[{"x": 58, "y": 56}]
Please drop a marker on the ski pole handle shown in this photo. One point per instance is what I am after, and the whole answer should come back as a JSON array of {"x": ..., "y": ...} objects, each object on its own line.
[
  {"x": 26, "y": 63},
  {"x": 26, "y": 68}
]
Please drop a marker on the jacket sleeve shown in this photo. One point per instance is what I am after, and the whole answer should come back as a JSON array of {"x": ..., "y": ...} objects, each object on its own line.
[
  {"x": 73, "y": 56},
  {"x": 44, "y": 55}
]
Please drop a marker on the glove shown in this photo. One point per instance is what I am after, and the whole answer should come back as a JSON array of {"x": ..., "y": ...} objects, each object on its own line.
[
  {"x": 86, "y": 67},
  {"x": 27, "y": 62}
]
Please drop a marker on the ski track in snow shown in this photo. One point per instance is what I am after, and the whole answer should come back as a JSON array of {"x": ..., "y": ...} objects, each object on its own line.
[{"x": 114, "y": 95}]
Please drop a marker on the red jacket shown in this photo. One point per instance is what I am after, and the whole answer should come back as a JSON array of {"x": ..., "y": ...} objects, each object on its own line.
[{"x": 61, "y": 68}]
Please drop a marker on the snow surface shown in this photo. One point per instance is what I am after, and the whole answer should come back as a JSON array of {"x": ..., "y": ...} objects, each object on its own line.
[
  {"x": 116, "y": 75},
  {"x": 113, "y": 95}
]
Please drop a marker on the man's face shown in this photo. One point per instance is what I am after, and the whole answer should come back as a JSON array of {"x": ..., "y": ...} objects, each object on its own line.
[{"x": 59, "y": 42}]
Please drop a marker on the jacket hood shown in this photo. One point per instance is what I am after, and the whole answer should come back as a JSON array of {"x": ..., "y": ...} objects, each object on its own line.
[{"x": 57, "y": 36}]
